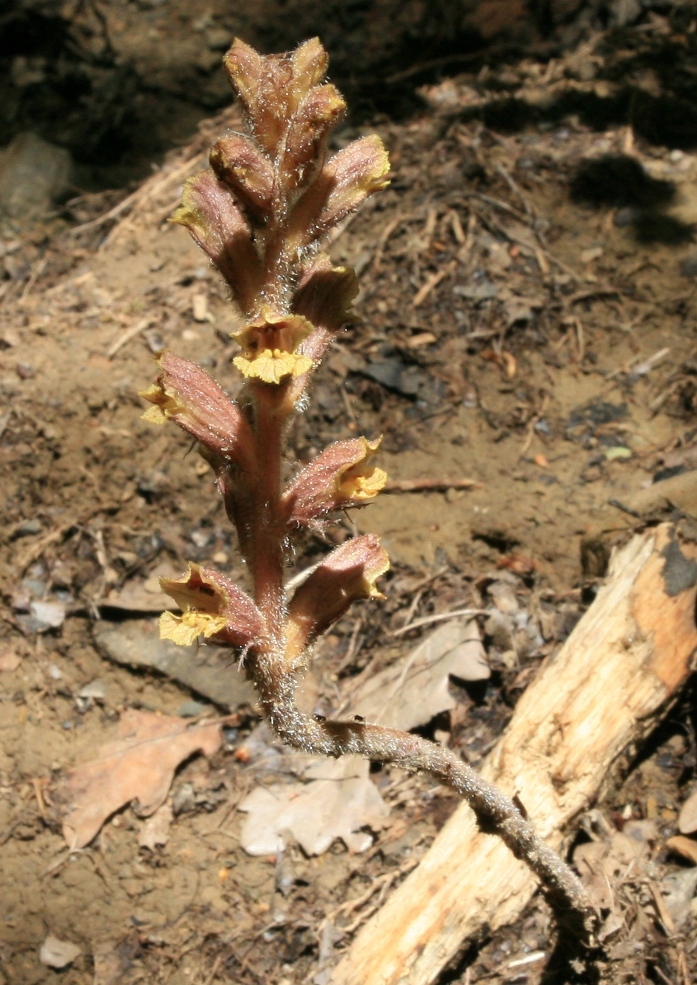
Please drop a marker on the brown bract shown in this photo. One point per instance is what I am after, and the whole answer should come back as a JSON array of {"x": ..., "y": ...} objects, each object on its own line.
[
  {"x": 187, "y": 395},
  {"x": 349, "y": 573}
]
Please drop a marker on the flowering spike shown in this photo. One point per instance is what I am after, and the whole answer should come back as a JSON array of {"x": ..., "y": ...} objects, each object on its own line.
[
  {"x": 258, "y": 214},
  {"x": 212, "y": 606},
  {"x": 348, "y": 574},
  {"x": 187, "y": 395},
  {"x": 342, "y": 475},
  {"x": 216, "y": 222}
]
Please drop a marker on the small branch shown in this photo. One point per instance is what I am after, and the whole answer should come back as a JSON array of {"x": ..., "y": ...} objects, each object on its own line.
[
  {"x": 441, "y": 617},
  {"x": 430, "y": 485}
]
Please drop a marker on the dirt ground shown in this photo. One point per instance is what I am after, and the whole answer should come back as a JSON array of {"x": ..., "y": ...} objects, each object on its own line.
[{"x": 525, "y": 322}]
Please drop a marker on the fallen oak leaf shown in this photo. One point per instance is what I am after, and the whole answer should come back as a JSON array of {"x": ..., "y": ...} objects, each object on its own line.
[
  {"x": 137, "y": 766},
  {"x": 338, "y": 803},
  {"x": 414, "y": 690}
]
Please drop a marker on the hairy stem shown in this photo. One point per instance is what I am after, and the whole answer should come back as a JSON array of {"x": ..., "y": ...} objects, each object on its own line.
[
  {"x": 266, "y": 533},
  {"x": 496, "y": 813}
]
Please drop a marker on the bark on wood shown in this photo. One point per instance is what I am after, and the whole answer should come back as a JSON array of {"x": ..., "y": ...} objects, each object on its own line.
[{"x": 590, "y": 706}]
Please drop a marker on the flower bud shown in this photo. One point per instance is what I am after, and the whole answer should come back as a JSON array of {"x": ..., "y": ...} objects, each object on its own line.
[
  {"x": 187, "y": 395},
  {"x": 315, "y": 117},
  {"x": 353, "y": 174},
  {"x": 342, "y": 475},
  {"x": 347, "y": 574},
  {"x": 213, "y": 607},
  {"x": 216, "y": 222},
  {"x": 245, "y": 170},
  {"x": 271, "y": 88}
]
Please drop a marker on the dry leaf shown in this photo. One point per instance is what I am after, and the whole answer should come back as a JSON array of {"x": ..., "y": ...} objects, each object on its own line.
[
  {"x": 138, "y": 765},
  {"x": 58, "y": 954},
  {"x": 687, "y": 821},
  {"x": 155, "y": 831},
  {"x": 340, "y": 800},
  {"x": 414, "y": 690}
]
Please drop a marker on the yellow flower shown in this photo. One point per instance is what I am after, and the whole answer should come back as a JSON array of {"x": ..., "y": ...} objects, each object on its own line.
[
  {"x": 362, "y": 480},
  {"x": 211, "y": 605},
  {"x": 269, "y": 347},
  {"x": 347, "y": 574},
  {"x": 165, "y": 404},
  {"x": 186, "y": 629}
]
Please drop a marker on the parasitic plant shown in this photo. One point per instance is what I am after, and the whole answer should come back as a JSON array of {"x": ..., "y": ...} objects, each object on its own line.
[{"x": 261, "y": 213}]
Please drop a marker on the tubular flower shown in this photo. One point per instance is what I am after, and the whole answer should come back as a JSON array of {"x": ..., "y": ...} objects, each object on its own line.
[
  {"x": 356, "y": 172},
  {"x": 187, "y": 395},
  {"x": 349, "y": 573},
  {"x": 212, "y": 606},
  {"x": 342, "y": 475},
  {"x": 270, "y": 347},
  {"x": 343, "y": 184},
  {"x": 324, "y": 297},
  {"x": 217, "y": 224},
  {"x": 245, "y": 170}
]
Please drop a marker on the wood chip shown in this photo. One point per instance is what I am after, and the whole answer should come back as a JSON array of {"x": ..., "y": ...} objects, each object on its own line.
[
  {"x": 432, "y": 282},
  {"x": 687, "y": 847}
]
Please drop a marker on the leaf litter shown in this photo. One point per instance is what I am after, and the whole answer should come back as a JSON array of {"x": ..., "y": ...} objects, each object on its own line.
[
  {"x": 338, "y": 799},
  {"x": 138, "y": 766}
]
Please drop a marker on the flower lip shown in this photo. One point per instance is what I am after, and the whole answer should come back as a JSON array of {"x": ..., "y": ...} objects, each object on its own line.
[
  {"x": 341, "y": 476},
  {"x": 362, "y": 480},
  {"x": 270, "y": 347},
  {"x": 212, "y": 606}
]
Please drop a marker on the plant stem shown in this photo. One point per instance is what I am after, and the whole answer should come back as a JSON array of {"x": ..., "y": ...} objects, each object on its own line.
[
  {"x": 496, "y": 813},
  {"x": 266, "y": 529}
]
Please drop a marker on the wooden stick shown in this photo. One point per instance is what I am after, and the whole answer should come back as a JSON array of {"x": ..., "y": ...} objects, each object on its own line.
[
  {"x": 429, "y": 485},
  {"x": 591, "y": 704}
]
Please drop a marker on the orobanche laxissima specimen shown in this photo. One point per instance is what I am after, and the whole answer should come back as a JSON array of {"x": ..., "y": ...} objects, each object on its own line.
[{"x": 261, "y": 213}]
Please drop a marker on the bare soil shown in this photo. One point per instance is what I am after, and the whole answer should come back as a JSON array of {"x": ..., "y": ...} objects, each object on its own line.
[{"x": 526, "y": 322}]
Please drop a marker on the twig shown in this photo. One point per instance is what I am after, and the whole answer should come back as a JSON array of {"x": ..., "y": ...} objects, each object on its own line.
[
  {"x": 441, "y": 617},
  {"x": 131, "y": 333},
  {"x": 37, "y": 549},
  {"x": 429, "y": 485},
  {"x": 426, "y": 66},
  {"x": 37, "y": 271},
  {"x": 382, "y": 241},
  {"x": 432, "y": 282}
]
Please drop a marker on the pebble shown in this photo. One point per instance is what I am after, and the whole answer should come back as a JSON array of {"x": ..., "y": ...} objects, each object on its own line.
[
  {"x": 33, "y": 174},
  {"x": 57, "y": 953}
]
